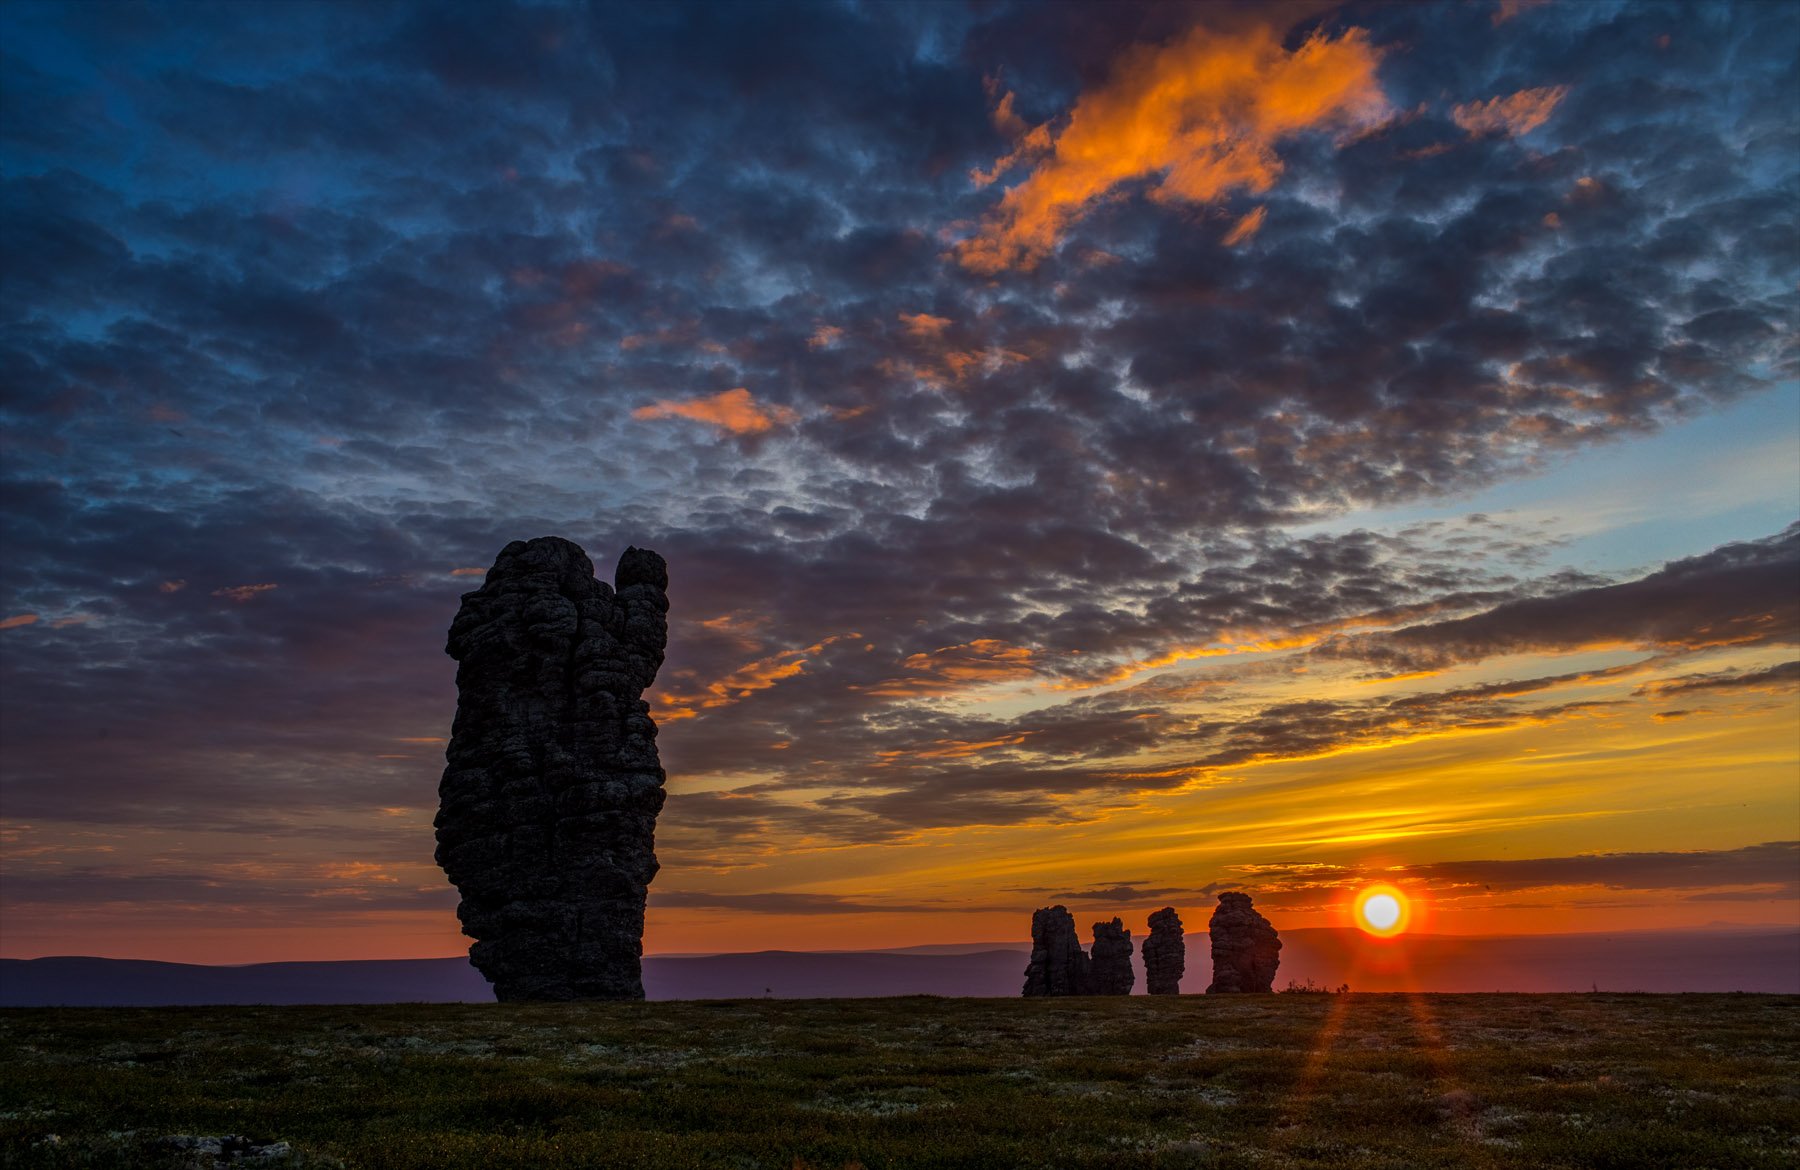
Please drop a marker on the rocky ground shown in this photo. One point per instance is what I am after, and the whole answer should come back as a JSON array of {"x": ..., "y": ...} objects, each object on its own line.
[{"x": 1290, "y": 1080}]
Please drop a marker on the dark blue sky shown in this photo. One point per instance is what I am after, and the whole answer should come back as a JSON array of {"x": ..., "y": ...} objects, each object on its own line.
[{"x": 307, "y": 307}]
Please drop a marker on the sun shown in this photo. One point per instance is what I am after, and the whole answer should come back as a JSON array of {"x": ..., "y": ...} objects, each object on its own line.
[{"x": 1382, "y": 911}]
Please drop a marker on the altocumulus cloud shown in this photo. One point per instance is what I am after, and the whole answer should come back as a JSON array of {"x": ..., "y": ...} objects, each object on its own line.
[{"x": 337, "y": 297}]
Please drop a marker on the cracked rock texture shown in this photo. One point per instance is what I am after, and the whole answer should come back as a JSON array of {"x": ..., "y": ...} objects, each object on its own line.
[
  {"x": 1109, "y": 963},
  {"x": 1058, "y": 964},
  {"x": 1245, "y": 948},
  {"x": 1165, "y": 953},
  {"x": 547, "y": 810}
]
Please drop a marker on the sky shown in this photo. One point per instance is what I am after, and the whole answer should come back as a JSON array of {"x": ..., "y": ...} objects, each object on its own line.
[{"x": 1106, "y": 454}]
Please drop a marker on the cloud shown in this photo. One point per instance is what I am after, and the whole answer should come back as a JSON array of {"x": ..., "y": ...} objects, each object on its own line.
[
  {"x": 1773, "y": 868},
  {"x": 924, "y": 324},
  {"x": 1775, "y": 865},
  {"x": 1245, "y": 228},
  {"x": 1512, "y": 115},
  {"x": 1127, "y": 892},
  {"x": 1200, "y": 117},
  {"x": 679, "y": 699},
  {"x": 733, "y": 411},
  {"x": 952, "y": 668},
  {"x": 244, "y": 593},
  {"x": 17, "y": 620},
  {"x": 779, "y": 903},
  {"x": 403, "y": 323},
  {"x": 1775, "y": 680},
  {"x": 1506, "y": 10},
  {"x": 1736, "y": 595}
]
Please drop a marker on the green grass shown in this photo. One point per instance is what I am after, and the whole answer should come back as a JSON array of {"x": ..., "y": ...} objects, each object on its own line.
[{"x": 1598, "y": 1081}]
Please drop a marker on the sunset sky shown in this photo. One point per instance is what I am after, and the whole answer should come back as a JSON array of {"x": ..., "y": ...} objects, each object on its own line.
[{"x": 1105, "y": 454}]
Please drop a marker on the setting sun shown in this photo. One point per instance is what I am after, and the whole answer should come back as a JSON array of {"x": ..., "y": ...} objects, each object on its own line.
[{"x": 1382, "y": 911}]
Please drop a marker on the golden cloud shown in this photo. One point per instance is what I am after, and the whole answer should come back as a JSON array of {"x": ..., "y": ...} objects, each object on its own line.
[
  {"x": 956, "y": 749},
  {"x": 949, "y": 669},
  {"x": 1513, "y": 115},
  {"x": 741, "y": 683},
  {"x": 732, "y": 411},
  {"x": 1202, "y": 114}
]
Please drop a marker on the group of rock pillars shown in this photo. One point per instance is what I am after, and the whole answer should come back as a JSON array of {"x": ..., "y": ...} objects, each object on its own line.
[
  {"x": 1246, "y": 950},
  {"x": 547, "y": 810}
]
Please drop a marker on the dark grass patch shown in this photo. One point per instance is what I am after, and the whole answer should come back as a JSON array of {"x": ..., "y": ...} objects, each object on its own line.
[{"x": 1362, "y": 1081}]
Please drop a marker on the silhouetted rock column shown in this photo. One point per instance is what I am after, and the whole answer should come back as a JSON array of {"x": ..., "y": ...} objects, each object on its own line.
[
  {"x": 1165, "y": 953},
  {"x": 1109, "y": 963},
  {"x": 1058, "y": 964},
  {"x": 1245, "y": 948},
  {"x": 547, "y": 810}
]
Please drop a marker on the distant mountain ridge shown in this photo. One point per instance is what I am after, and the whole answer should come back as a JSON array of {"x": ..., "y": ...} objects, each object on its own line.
[{"x": 1666, "y": 961}]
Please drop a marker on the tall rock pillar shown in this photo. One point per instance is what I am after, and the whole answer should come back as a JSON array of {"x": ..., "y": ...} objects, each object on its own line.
[
  {"x": 1165, "y": 953},
  {"x": 547, "y": 809},
  {"x": 1246, "y": 950}
]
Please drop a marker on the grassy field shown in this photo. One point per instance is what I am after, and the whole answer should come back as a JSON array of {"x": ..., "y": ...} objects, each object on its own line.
[{"x": 1266, "y": 1081}]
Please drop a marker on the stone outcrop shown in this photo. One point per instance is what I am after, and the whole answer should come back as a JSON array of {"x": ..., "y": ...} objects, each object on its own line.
[
  {"x": 1245, "y": 948},
  {"x": 1109, "y": 963},
  {"x": 1058, "y": 964},
  {"x": 1165, "y": 953},
  {"x": 547, "y": 809}
]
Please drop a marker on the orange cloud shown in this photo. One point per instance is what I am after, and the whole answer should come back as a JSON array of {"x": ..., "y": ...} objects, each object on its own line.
[
  {"x": 1511, "y": 8},
  {"x": 1034, "y": 144},
  {"x": 1202, "y": 114},
  {"x": 243, "y": 593},
  {"x": 924, "y": 324},
  {"x": 1516, "y": 114},
  {"x": 956, "y": 749},
  {"x": 471, "y": 571},
  {"x": 17, "y": 620},
  {"x": 954, "y": 668},
  {"x": 1246, "y": 227},
  {"x": 1254, "y": 640},
  {"x": 746, "y": 680},
  {"x": 732, "y": 411},
  {"x": 1587, "y": 189},
  {"x": 824, "y": 337},
  {"x": 174, "y": 586}
]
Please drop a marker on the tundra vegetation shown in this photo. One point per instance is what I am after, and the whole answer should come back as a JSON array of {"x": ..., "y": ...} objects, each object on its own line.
[{"x": 1352, "y": 1080}]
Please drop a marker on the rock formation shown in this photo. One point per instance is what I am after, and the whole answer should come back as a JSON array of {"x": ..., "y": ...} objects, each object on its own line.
[
  {"x": 1245, "y": 948},
  {"x": 547, "y": 809},
  {"x": 1058, "y": 964},
  {"x": 1109, "y": 963},
  {"x": 1165, "y": 953}
]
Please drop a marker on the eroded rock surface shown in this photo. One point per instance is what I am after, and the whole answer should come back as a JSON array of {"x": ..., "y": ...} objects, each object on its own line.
[
  {"x": 1058, "y": 965},
  {"x": 1109, "y": 962},
  {"x": 1245, "y": 948},
  {"x": 547, "y": 810},
  {"x": 1165, "y": 953}
]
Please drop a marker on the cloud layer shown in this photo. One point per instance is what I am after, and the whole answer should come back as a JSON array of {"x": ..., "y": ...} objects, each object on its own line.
[{"x": 1006, "y": 386}]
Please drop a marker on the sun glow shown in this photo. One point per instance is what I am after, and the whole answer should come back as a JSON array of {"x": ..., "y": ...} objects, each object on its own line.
[{"x": 1382, "y": 911}]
